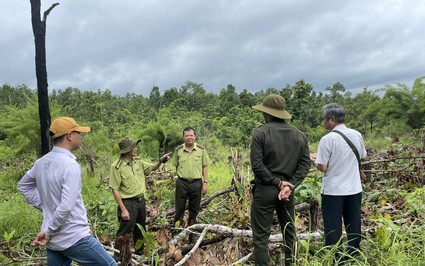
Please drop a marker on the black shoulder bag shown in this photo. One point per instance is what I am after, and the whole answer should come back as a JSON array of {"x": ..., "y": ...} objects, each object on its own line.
[{"x": 353, "y": 148}]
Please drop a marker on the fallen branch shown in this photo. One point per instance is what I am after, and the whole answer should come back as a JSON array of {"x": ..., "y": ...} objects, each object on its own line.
[
  {"x": 206, "y": 201},
  {"x": 23, "y": 260},
  {"x": 190, "y": 253},
  {"x": 234, "y": 232},
  {"x": 242, "y": 260},
  {"x": 393, "y": 159},
  {"x": 207, "y": 242},
  {"x": 302, "y": 207},
  {"x": 387, "y": 171},
  {"x": 111, "y": 250},
  {"x": 171, "y": 211}
]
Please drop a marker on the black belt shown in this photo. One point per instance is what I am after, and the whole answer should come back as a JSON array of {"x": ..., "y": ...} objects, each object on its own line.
[
  {"x": 190, "y": 180},
  {"x": 137, "y": 198}
]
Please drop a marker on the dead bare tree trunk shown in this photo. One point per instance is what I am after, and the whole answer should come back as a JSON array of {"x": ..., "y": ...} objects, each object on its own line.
[{"x": 39, "y": 30}]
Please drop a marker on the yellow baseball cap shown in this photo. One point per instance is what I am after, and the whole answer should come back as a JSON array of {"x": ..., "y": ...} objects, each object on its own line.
[{"x": 63, "y": 125}]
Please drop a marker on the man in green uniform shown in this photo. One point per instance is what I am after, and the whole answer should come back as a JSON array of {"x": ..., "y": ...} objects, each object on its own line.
[
  {"x": 191, "y": 161},
  {"x": 127, "y": 181},
  {"x": 280, "y": 160}
]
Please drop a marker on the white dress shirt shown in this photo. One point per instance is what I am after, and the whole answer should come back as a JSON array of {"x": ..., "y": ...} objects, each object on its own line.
[
  {"x": 342, "y": 176},
  {"x": 53, "y": 185}
]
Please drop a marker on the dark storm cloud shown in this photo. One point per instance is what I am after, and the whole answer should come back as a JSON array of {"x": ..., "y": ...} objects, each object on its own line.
[{"x": 131, "y": 46}]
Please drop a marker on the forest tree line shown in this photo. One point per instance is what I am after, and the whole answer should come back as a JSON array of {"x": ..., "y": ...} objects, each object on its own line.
[{"x": 223, "y": 119}]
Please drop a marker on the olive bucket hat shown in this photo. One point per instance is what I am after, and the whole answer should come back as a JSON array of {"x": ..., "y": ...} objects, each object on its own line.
[
  {"x": 127, "y": 144},
  {"x": 274, "y": 105}
]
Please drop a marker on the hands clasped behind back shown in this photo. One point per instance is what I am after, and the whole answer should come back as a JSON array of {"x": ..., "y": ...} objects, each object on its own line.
[{"x": 285, "y": 190}]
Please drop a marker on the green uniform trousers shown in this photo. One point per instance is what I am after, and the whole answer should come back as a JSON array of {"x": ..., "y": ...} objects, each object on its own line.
[
  {"x": 188, "y": 190},
  {"x": 137, "y": 209},
  {"x": 264, "y": 203}
]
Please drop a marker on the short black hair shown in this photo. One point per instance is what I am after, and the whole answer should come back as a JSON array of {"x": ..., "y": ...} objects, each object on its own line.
[
  {"x": 58, "y": 139},
  {"x": 189, "y": 129}
]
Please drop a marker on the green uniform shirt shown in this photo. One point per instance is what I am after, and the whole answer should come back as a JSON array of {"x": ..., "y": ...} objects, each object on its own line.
[
  {"x": 189, "y": 164},
  {"x": 279, "y": 151},
  {"x": 129, "y": 179}
]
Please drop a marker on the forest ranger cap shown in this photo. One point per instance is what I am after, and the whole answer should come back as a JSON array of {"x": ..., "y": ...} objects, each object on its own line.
[
  {"x": 127, "y": 144},
  {"x": 274, "y": 105},
  {"x": 63, "y": 125}
]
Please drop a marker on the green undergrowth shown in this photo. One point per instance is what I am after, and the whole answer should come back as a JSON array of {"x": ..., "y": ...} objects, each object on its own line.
[{"x": 392, "y": 205}]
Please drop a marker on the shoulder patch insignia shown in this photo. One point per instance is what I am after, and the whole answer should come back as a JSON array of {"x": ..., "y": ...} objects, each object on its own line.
[
  {"x": 200, "y": 146},
  {"x": 118, "y": 164},
  {"x": 179, "y": 147}
]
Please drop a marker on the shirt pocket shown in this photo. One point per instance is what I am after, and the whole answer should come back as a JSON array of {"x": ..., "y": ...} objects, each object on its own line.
[
  {"x": 128, "y": 179},
  {"x": 182, "y": 162},
  {"x": 198, "y": 160}
]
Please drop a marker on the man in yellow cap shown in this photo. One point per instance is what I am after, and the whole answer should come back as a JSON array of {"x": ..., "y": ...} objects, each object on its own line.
[
  {"x": 53, "y": 185},
  {"x": 127, "y": 181},
  {"x": 280, "y": 160}
]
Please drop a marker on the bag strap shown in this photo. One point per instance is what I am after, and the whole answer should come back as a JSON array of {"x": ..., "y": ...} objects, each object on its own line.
[{"x": 353, "y": 148}]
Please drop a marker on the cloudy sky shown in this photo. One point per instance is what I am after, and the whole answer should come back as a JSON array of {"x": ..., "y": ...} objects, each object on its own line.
[{"x": 133, "y": 45}]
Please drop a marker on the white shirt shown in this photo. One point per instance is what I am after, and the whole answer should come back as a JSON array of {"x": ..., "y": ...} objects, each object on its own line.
[
  {"x": 342, "y": 176},
  {"x": 53, "y": 185}
]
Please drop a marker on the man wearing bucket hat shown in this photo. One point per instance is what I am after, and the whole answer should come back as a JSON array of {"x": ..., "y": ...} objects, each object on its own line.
[
  {"x": 127, "y": 181},
  {"x": 53, "y": 185},
  {"x": 280, "y": 160}
]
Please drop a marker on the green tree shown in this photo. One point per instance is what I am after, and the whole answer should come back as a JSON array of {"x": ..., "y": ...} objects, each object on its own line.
[
  {"x": 335, "y": 95},
  {"x": 155, "y": 99},
  {"x": 170, "y": 96},
  {"x": 16, "y": 96},
  {"x": 357, "y": 110},
  {"x": 416, "y": 113},
  {"x": 300, "y": 102},
  {"x": 247, "y": 99},
  {"x": 19, "y": 131},
  {"x": 228, "y": 98}
]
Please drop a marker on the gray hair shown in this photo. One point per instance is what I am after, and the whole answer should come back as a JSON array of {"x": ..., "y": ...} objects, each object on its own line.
[{"x": 334, "y": 110}]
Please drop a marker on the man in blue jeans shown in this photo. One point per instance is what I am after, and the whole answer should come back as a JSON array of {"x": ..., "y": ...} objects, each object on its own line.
[{"x": 53, "y": 185}]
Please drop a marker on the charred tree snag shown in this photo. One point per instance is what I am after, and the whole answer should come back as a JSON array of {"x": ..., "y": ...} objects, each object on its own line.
[{"x": 39, "y": 30}]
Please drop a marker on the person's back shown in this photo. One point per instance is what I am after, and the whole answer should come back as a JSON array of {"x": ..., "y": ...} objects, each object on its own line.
[
  {"x": 280, "y": 161},
  {"x": 342, "y": 176},
  {"x": 341, "y": 185},
  {"x": 283, "y": 147}
]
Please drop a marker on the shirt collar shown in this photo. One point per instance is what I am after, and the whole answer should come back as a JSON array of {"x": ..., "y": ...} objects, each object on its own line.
[
  {"x": 124, "y": 160},
  {"x": 65, "y": 151},
  {"x": 194, "y": 146},
  {"x": 339, "y": 127}
]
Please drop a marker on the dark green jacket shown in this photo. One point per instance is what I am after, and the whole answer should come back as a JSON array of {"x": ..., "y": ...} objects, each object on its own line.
[{"x": 279, "y": 151}]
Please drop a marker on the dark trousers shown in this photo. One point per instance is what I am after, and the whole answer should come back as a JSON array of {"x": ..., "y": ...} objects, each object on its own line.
[
  {"x": 137, "y": 210},
  {"x": 349, "y": 208},
  {"x": 187, "y": 189},
  {"x": 264, "y": 203}
]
